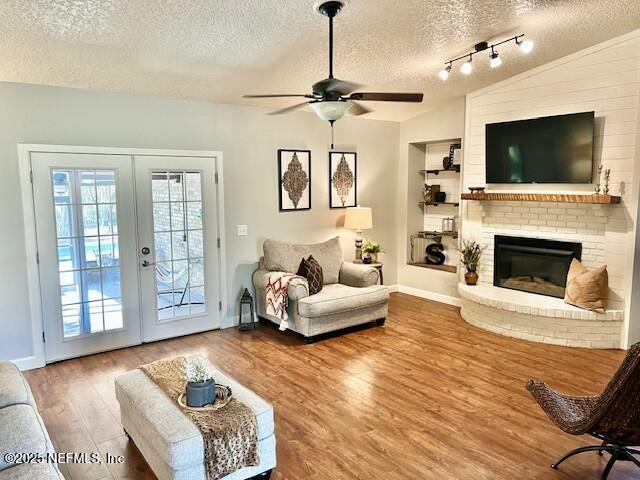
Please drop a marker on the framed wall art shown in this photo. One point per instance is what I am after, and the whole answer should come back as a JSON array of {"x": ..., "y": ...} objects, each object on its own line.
[
  {"x": 343, "y": 181},
  {"x": 294, "y": 179}
]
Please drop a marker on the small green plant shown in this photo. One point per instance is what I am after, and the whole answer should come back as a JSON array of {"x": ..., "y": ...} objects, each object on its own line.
[
  {"x": 369, "y": 246},
  {"x": 197, "y": 369},
  {"x": 470, "y": 254}
]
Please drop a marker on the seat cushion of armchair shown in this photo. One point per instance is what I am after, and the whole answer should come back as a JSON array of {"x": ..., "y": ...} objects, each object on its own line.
[
  {"x": 339, "y": 298},
  {"x": 285, "y": 257}
]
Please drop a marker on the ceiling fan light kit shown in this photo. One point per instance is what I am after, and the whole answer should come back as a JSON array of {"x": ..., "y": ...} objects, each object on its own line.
[
  {"x": 331, "y": 97},
  {"x": 494, "y": 59},
  {"x": 330, "y": 111}
]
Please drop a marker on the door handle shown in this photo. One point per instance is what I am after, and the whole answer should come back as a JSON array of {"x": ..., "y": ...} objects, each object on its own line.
[{"x": 147, "y": 263}]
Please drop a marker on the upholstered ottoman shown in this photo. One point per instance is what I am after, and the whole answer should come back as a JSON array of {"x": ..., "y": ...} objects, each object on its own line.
[{"x": 170, "y": 443}]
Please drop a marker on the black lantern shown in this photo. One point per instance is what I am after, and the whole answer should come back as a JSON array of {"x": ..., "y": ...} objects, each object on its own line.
[{"x": 247, "y": 299}]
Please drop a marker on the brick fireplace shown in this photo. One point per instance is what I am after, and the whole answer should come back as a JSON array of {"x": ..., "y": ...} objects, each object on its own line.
[{"x": 528, "y": 248}]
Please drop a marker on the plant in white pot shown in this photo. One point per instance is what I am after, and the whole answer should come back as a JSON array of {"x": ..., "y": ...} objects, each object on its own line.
[
  {"x": 372, "y": 249},
  {"x": 470, "y": 256},
  {"x": 201, "y": 387}
]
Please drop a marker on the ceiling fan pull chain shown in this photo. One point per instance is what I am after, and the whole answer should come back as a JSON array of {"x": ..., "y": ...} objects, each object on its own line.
[{"x": 332, "y": 122}]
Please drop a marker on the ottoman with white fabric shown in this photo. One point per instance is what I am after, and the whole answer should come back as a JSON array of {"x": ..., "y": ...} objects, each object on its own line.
[{"x": 171, "y": 443}]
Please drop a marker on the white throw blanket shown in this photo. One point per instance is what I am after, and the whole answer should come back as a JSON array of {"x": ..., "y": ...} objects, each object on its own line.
[{"x": 277, "y": 299}]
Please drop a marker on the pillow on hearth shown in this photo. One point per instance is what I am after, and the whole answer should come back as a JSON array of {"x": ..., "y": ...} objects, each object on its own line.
[
  {"x": 586, "y": 288},
  {"x": 311, "y": 270}
]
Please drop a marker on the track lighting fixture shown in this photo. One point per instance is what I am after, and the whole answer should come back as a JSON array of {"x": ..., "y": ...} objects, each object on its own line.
[
  {"x": 525, "y": 45},
  {"x": 444, "y": 73},
  {"x": 467, "y": 66},
  {"x": 494, "y": 59}
]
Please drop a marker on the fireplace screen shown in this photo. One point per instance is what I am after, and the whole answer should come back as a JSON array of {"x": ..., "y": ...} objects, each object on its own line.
[{"x": 533, "y": 265}]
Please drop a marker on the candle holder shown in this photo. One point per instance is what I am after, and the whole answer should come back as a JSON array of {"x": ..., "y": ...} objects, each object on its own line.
[
  {"x": 607, "y": 174},
  {"x": 599, "y": 179}
]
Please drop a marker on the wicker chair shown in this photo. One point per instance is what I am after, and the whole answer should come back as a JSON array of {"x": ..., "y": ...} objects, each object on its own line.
[{"x": 612, "y": 417}]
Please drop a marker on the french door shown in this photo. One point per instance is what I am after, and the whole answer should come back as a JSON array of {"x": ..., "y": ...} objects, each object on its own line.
[
  {"x": 127, "y": 248},
  {"x": 178, "y": 245}
]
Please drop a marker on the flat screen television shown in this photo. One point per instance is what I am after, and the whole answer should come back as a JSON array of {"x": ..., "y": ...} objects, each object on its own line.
[{"x": 556, "y": 149}]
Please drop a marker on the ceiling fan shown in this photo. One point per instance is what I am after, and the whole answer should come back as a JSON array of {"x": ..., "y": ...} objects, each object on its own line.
[{"x": 331, "y": 97}]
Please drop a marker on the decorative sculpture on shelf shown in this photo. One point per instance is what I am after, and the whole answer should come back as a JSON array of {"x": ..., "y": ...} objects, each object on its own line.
[
  {"x": 434, "y": 255},
  {"x": 607, "y": 174}
]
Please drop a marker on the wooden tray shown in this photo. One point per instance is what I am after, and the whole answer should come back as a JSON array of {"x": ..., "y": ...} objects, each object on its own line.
[{"x": 212, "y": 407}]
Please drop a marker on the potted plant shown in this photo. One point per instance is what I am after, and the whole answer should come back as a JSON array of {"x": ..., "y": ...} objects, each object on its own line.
[
  {"x": 470, "y": 257},
  {"x": 201, "y": 388},
  {"x": 372, "y": 249}
]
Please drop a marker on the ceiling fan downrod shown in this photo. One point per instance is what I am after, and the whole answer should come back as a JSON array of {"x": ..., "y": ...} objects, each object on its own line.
[{"x": 330, "y": 9}]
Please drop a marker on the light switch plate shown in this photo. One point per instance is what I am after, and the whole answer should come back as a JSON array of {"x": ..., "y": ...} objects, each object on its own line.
[{"x": 243, "y": 230}]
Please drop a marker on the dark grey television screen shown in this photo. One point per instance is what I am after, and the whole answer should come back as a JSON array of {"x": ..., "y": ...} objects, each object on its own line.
[{"x": 556, "y": 149}]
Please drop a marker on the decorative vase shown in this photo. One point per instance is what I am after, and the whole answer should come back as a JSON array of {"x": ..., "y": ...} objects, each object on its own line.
[
  {"x": 471, "y": 278},
  {"x": 374, "y": 257},
  {"x": 200, "y": 394}
]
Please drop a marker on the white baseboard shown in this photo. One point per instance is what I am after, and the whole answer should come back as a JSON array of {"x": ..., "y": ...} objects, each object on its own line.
[
  {"x": 436, "y": 297},
  {"x": 28, "y": 363},
  {"x": 393, "y": 288}
]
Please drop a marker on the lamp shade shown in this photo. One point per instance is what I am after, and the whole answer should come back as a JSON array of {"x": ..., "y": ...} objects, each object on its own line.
[{"x": 358, "y": 218}]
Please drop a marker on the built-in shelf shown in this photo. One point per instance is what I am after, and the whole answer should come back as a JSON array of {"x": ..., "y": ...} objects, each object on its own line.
[
  {"x": 422, "y": 204},
  {"x": 443, "y": 268},
  {"x": 436, "y": 171},
  {"x": 541, "y": 197},
  {"x": 432, "y": 234}
]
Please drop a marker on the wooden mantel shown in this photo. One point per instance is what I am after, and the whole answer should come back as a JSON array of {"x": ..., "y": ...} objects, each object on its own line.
[{"x": 541, "y": 197}]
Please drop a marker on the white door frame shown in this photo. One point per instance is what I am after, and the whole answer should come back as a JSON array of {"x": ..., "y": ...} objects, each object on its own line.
[{"x": 37, "y": 359}]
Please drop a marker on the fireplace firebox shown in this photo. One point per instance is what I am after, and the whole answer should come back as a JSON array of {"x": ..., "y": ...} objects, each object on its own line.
[{"x": 532, "y": 264}]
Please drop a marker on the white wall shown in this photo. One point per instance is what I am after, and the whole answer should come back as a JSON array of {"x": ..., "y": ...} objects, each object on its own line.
[
  {"x": 443, "y": 123},
  {"x": 604, "y": 78},
  {"x": 248, "y": 139}
]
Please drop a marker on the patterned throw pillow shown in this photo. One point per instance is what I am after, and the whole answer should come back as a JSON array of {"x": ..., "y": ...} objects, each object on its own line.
[
  {"x": 311, "y": 270},
  {"x": 586, "y": 288}
]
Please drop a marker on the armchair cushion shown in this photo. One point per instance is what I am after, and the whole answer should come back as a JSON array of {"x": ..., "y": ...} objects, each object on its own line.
[
  {"x": 285, "y": 257},
  {"x": 298, "y": 287},
  {"x": 358, "y": 275},
  {"x": 340, "y": 298}
]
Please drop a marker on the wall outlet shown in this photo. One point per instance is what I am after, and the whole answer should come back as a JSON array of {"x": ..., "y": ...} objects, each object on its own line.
[{"x": 243, "y": 230}]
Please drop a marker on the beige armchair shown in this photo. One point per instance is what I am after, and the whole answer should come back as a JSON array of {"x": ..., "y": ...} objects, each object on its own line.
[{"x": 350, "y": 295}]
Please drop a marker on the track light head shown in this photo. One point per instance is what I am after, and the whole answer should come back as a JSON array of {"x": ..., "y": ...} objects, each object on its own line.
[
  {"x": 467, "y": 67},
  {"x": 444, "y": 73},
  {"x": 525, "y": 45},
  {"x": 494, "y": 59}
]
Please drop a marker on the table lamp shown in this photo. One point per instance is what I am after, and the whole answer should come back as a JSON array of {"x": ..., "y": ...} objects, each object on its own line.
[{"x": 358, "y": 219}]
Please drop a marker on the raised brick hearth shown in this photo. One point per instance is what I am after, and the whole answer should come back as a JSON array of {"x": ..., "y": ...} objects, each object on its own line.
[{"x": 538, "y": 318}]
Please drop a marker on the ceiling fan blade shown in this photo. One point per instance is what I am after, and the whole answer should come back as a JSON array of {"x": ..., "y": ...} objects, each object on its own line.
[
  {"x": 279, "y": 95},
  {"x": 357, "y": 109},
  {"x": 342, "y": 87},
  {"x": 333, "y": 85},
  {"x": 387, "y": 97},
  {"x": 288, "y": 109}
]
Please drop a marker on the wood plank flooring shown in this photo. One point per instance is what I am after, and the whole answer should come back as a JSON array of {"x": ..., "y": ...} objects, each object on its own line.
[{"x": 425, "y": 397}]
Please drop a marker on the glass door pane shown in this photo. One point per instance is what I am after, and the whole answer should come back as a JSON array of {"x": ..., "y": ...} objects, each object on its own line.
[
  {"x": 85, "y": 203},
  {"x": 178, "y": 233}
]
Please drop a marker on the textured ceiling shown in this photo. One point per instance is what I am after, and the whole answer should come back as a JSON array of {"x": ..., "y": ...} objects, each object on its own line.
[{"x": 221, "y": 49}]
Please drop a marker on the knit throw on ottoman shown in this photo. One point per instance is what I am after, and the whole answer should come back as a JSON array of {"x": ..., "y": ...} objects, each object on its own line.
[
  {"x": 229, "y": 434},
  {"x": 277, "y": 298}
]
